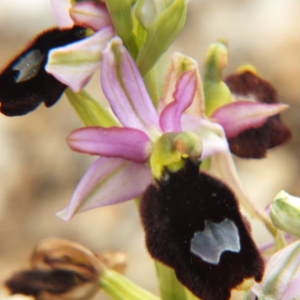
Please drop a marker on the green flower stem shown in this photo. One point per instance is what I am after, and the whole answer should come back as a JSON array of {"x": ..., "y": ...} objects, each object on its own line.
[
  {"x": 190, "y": 295},
  {"x": 121, "y": 288},
  {"x": 90, "y": 111},
  {"x": 170, "y": 287}
]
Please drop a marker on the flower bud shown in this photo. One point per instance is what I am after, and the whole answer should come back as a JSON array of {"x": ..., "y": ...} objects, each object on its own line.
[
  {"x": 216, "y": 91},
  {"x": 285, "y": 213},
  {"x": 63, "y": 270}
]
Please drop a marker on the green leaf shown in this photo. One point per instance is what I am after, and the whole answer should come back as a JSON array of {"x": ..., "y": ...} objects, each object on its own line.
[{"x": 89, "y": 110}]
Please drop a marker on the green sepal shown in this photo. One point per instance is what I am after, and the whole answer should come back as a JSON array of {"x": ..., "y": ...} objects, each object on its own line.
[
  {"x": 216, "y": 91},
  {"x": 89, "y": 110},
  {"x": 122, "y": 18},
  {"x": 161, "y": 33}
]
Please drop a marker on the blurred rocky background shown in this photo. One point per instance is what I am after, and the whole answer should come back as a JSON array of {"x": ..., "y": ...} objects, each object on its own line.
[{"x": 38, "y": 172}]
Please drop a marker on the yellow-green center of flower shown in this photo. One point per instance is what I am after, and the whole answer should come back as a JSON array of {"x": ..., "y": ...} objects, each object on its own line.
[{"x": 171, "y": 150}]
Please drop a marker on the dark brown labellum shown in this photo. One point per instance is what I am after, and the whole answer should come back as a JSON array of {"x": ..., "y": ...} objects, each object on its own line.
[{"x": 180, "y": 213}]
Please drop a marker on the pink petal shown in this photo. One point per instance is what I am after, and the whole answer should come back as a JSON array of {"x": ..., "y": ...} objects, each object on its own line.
[
  {"x": 127, "y": 143},
  {"x": 61, "y": 10},
  {"x": 238, "y": 116},
  {"x": 210, "y": 134},
  {"x": 75, "y": 63},
  {"x": 170, "y": 117},
  {"x": 125, "y": 89},
  {"x": 108, "y": 181},
  {"x": 91, "y": 14}
]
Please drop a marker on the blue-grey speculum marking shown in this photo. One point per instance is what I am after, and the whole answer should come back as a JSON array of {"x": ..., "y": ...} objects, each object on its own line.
[
  {"x": 215, "y": 239},
  {"x": 28, "y": 65}
]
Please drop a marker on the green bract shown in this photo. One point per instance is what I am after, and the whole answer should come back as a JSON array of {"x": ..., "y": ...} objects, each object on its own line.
[
  {"x": 147, "y": 27},
  {"x": 161, "y": 32},
  {"x": 90, "y": 111}
]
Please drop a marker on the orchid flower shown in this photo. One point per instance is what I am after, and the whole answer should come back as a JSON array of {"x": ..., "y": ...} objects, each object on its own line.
[
  {"x": 150, "y": 145},
  {"x": 246, "y": 97},
  {"x": 132, "y": 153}
]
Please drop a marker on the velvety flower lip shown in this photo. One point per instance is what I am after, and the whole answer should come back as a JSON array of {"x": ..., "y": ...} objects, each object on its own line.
[
  {"x": 182, "y": 204},
  {"x": 254, "y": 141}
]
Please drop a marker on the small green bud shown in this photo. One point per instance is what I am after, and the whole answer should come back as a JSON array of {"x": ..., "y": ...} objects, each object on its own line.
[
  {"x": 216, "y": 91},
  {"x": 285, "y": 213}
]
